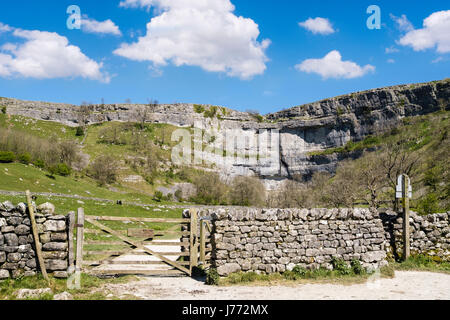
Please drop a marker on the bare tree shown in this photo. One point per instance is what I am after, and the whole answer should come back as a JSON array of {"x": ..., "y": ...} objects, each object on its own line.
[
  {"x": 83, "y": 115},
  {"x": 396, "y": 159}
]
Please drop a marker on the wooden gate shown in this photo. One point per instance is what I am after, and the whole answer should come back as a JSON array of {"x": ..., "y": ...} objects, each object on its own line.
[{"x": 111, "y": 250}]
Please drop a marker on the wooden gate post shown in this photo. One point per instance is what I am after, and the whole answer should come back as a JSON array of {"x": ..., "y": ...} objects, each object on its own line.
[
  {"x": 71, "y": 222},
  {"x": 193, "y": 240},
  {"x": 202, "y": 242},
  {"x": 405, "y": 200},
  {"x": 80, "y": 239},
  {"x": 37, "y": 243}
]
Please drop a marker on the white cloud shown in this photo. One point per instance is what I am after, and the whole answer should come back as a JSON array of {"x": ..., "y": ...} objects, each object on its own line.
[
  {"x": 105, "y": 27},
  {"x": 332, "y": 66},
  {"x": 403, "y": 24},
  {"x": 435, "y": 33},
  {"x": 318, "y": 26},
  {"x": 391, "y": 49},
  {"x": 203, "y": 33},
  {"x": 46, "y": 55},
  {"x": 4, "y": 27},
  {"x": 437, "y": 60}
]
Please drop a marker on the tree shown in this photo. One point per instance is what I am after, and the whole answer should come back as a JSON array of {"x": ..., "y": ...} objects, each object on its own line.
[
  {"x": 247, "y": 191},
  {"x": 83, "y": 115},
  {"x": 396, "y": 159},
  {"x": 104, "y": 170},
  {"x": 210, "y": 189},
  {"x": 369, "y": 173}
]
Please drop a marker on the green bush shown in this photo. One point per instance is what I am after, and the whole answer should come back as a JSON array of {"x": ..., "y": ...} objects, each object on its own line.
[
  {"x": 158, "y": 196},
  {"x": 39, "y": 163},
  {"x": 357, "y": 268},
  {"x": 7, "y": 157},
  {"x": 212, "y": 277},
  {"x": 300, "y": 271},
  {"x": 60, "y": 169},
  {"x": 25, "y": 158},
  {"x": 198, "y": 108},
  {"x": 211, "y": 112},
  {"x": 341, "y": 266},
  {"x": 80, "y": 132},
  {"x": 3, "y": 109},
  {"x": 429, "y": 204}
]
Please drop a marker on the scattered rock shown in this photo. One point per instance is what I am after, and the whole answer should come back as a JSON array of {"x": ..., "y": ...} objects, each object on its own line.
[
  {"x": 47, "y": 208},
  {"x": 31, "y": 293},
  {"x": 63, "y": 296}
]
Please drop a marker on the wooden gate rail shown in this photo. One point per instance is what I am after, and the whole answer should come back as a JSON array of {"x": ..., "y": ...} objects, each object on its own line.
[
  {"x": 137, "y": 244},
  {"x": 196, "y": 237}
]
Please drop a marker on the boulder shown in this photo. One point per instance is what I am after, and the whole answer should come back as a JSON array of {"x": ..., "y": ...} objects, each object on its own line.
[
  {"x": 31, "y": 293},
  {"x": 228, "y": 268},
  {"x": 47, "y": 208}
]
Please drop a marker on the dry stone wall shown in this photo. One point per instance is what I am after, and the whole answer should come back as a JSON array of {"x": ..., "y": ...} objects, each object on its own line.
[
  {"x": 275, "y": 240},
  {"x": 430, "y": 234},
  {"x": 17, "y": 248}
]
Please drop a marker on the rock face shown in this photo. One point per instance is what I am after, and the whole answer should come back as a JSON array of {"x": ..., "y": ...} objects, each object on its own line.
[
  {"x": 17, "y": 248},
  {"x": 303, "y": 129},
  {"x": 275, "y": 240}
]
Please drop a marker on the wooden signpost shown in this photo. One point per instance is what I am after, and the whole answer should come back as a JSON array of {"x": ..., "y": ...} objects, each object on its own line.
[{"x": 404, "y": 192}]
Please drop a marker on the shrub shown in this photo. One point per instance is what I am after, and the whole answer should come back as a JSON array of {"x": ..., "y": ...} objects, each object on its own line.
[
  {"x": 25, "y": 158},
  {"x": 357, "y": 268},
  {"x": 103, "y": 169},
  {"x": 429, "y": 204},
  {"x": 80, "y": 132},
  {"x": 212, "y": 277},
  {"x": 7, "y": 157},
  {"x": 179, "y": 195},
  {"x": 341, "y": 266},
  {"x": 300, "y": 271},
  {"x": 39, "y": 163},
  {"x": 3, "y": 109},
  {"x": 158, "y": 196},
  {"x": 198, "y": 108},
  {"x": 60, "y": 169},
  {"x": 210, "y": 189},
  {"x": 211, "y": 112},
  {"x": 247, "y": 191}
]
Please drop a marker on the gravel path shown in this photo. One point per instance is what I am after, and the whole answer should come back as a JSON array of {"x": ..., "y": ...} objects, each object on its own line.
[{"x": 405, "y": 286}]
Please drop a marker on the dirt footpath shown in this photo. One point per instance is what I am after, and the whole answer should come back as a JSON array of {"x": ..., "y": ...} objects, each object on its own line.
[{"x": 405, "y": 285}]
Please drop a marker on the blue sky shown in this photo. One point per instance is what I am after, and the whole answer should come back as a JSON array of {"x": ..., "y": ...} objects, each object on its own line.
[{"x": 218, "y": 60}]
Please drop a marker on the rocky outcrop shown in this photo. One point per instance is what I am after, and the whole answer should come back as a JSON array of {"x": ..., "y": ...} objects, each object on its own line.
[{"x": 302, "y": 130}]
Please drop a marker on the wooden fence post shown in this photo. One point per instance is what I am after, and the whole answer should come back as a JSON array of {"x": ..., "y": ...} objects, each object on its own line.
[
  {"x": 193, "y": 239},
  {"x": 80, "y": 240},
  {"x": 202, "y": 242},
  {"x": 405, "y": 200},
  {"x": 37, "y": 243},
  {"x": 71, "y": 222}
]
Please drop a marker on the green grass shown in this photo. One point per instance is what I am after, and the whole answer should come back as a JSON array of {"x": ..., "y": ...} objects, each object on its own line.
[
  {"x": 39, "y": 128},
  {"x": 89, "y": 287},
  {"x": 423, "y": 263}
]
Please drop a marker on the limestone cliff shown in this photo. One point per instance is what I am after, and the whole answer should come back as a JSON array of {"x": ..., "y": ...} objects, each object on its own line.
[{"x": 303, "y": 129}]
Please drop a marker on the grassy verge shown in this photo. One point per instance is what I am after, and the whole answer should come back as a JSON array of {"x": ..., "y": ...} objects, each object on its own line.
[
  {"x": 341, "y": 274},
  {"x": 423, "y": 263},
  {"x": 90, "y": 287}
]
